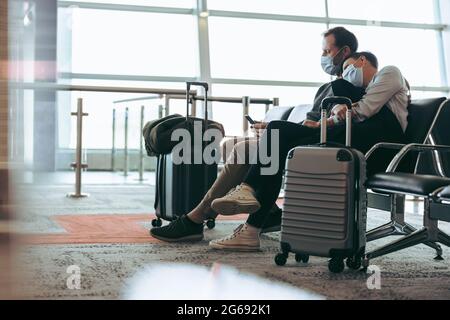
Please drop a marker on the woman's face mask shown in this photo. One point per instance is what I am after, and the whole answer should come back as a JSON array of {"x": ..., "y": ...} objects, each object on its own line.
[{"x": 354, "y": 75}]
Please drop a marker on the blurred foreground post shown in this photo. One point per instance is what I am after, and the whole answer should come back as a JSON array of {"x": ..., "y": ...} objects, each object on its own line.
[{"x": 5, "y": 241}]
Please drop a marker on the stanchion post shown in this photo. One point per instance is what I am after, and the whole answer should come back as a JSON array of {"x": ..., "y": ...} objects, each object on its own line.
[
  {"x": 166, "y": 105},
  {"x": 160, "y": 111},
  {"x": 141, "y": 147},
  {"x": 125, "y": 149},
  {"x": 276, "y": 102},
  {"x": 78, "y": 165},
  {"x": 245, "y": 109},
  {"x": 113, "y": 149}
]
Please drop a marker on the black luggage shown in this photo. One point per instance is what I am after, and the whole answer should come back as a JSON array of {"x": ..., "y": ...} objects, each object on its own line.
[
  {"x": 181, "y": 187},
  {"x": 325, "y": 208}
]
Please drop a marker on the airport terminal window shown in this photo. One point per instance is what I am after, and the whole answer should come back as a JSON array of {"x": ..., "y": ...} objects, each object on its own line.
[
  {"x": 98, "y": 125},
  {"x": 265, "y": 49},
  {"x": 414, "y": 51},
  {"x": 131, "y": 43},
  {"x": 289, "y": 96},
  {"x": 288, "y": 7},
  {"x": 418, "y": 11},
  {"x": 155, "y": 3}
]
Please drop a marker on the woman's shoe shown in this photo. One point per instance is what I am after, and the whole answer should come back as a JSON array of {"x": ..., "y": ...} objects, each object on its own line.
[
  {"x": 238, "y": 200},
  {"x": 244, "y": 238}
]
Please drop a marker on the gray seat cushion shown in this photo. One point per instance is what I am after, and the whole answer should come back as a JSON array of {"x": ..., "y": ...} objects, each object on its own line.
[{"x": 406, "y": 183}]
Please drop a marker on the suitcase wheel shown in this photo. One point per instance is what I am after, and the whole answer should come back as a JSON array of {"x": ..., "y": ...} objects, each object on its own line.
[
  {"x": 354, "y": 263},
  {"x": 302, "y": 258},
  {"x": 156, "y": 223},
  {"x": 211, "y": 223},
  {"x": 281, "y": 259},
  {"x": 336, "y": 265}
]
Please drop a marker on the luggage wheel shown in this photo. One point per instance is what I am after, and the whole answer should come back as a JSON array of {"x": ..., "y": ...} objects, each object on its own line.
[
  {"x": 156, "y": 223},
  {"x": 211, "y": 223}
]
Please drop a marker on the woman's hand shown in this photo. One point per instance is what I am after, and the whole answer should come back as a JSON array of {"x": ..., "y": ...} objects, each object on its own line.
[
  {"x": 259, "y": 128},
  {"x": 340, "y": 111}
]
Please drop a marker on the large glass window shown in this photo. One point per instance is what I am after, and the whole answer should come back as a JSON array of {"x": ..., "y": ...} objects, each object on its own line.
[
  {"x": 129, "y": 42},
  {"x": 289, "y": 96},
  {"x": 264, "y": 49},
  {"x": 134, "y": 43},
  {"x": 154, "y": 3},
  {"x": 289, "y": 7},
  {"x": 419, "y": 11},
  {"x": 415, "y": 52}
]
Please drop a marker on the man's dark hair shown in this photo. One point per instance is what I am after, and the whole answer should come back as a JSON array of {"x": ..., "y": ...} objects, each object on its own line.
[
  {"x": 343, "y": 38},
  {"x": 366, "y": 54}
]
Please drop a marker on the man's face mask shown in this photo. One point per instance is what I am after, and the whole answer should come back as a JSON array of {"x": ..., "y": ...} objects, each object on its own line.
[
  {"x": 331, "y": 65},
  {"x": 354, "y": 75}
]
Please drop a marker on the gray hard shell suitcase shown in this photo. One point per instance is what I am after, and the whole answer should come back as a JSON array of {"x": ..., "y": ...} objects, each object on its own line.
[
  {"x": 181, "y": 187},
  {"x": 325, "y": 208}
]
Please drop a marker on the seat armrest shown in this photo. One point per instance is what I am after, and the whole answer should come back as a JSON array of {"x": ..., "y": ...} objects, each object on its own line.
[
  {"x": 414, "y": 147},
  {"x": 384, "y": 145}
]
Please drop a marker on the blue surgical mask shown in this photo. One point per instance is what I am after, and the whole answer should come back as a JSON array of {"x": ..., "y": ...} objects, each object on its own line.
[
  {"x": 328, "y": 65},
  {"x": 332, "y": 65},
  {"x": 354, "y": 75}
]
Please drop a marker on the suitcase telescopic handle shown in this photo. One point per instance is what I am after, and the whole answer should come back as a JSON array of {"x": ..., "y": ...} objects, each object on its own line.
[
  {"x": 188, "y": 88},
  {"x": 348, "y": 118}
]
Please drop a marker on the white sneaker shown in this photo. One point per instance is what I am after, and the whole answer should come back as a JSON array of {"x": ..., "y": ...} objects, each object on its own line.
[
  {"x": 244, "y": 238},
  {"x": 239, "y": 200}
]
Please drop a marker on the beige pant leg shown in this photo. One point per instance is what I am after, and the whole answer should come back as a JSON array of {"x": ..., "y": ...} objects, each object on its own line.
[{"x": 232, "y": 174}]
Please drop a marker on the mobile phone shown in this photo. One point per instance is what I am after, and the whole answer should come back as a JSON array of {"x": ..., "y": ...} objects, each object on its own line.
[{"x": 249, "y": 119}]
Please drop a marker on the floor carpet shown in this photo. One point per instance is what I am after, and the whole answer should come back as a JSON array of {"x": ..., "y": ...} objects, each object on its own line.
[{"x": 59, "y": 227}]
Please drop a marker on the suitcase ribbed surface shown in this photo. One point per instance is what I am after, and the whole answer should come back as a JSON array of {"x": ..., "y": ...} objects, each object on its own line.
[{"x": 315, "y": 205}]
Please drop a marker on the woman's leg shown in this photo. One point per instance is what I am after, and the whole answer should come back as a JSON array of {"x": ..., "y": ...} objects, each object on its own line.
[
  {"x": 282, "y": 136},
  {"x": 246, "y": 236},
  {"x": 232, "y": 174}
]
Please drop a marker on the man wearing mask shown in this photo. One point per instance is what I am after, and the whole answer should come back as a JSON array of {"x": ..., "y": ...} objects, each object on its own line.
[{"x": 338, "y": 45}]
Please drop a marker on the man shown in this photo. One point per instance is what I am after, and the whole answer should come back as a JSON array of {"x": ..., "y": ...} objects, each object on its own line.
[
  {"x": 380, "y": 116},
  {"x": 338, "y": 44}
]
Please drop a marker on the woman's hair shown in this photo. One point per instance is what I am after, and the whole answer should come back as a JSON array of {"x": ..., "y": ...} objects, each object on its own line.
[{"x": 366, "y": 54}]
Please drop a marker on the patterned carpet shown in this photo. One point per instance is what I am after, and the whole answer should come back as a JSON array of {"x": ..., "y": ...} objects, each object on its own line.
[{"x": 110, "y": 248}]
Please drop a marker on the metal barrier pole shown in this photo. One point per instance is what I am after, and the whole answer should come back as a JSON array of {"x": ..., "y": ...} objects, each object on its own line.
[
  {"x": 125, "y": 164},
  {"x": 246, "y": 109},
  {"x": 194, "y": 107},
  {"x": 160, "y": 111},
  {"x": 166, "y": 105},
  {"x": 276, "y": 102},
  {"x": 78, "y": 165},
  {"x": 113, "y": 150},
  {"x": 267, "y": 107},
  {"x": 141, "y": 148}
]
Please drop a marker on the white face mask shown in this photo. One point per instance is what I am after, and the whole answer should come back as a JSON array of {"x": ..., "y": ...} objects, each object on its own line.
[{"x": 354, "y": 76}]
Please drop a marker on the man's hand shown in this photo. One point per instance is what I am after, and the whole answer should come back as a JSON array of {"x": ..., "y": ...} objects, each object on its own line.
[
  {"x": 259, "y": 128},
  {"x": 340, "y": 111},
  {"x": 311, "y": 124}
]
